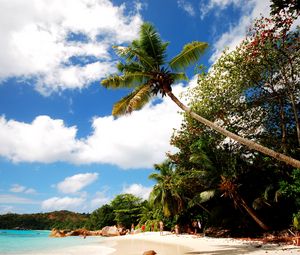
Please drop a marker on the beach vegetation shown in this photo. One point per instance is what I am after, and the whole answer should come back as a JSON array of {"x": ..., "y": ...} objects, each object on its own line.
[
  {"x": 127, "y": 209},
  {"x": 165, "y": 192},
  {"x": 39, "y": 221},
  {"x": 101, "y": 217},
  {"x": 252, "y": 91}
]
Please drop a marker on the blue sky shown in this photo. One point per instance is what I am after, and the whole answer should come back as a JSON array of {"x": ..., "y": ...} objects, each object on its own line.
[{"x": 60, "y": 148}]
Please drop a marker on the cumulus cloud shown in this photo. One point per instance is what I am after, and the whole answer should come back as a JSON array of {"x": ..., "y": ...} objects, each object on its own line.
[
  {"x": 82, "y": 203},
  {"x": 16, "y": 188},
  {"x": 137, "y": 140},
  {"x": 41, "y": 40},
  {"x": 138, "y": 190},
  {"x": 44, "y": 140},
  {"x": 63, "y": 203},
  {"x": 76, "y": 182},
  {"x": 134, "y": 141},
  {"x": 186, "y": 6},
  {"x": 249, "y": 11}
]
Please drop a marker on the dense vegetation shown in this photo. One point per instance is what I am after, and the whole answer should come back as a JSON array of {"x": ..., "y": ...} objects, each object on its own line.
[
  {"x": 124, "y": 210},
  {"x": 41, "y": 221}
]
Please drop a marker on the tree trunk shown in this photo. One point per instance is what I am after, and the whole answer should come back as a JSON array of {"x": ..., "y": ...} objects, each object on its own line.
[
  {"x": 253, "y": 215},
  {"x": 250, "y": 144},
  {"x": 296, "y": 117},
  {"x": 283, "y": 126},
  {"x": 292, "y": 97}
]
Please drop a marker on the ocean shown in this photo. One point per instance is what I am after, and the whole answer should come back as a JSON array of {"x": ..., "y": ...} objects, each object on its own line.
[{"x": 39, "y": 242}]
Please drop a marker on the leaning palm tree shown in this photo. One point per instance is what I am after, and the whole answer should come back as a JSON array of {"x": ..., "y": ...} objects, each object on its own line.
[
  {"x": 165, "y": 192},
  {"x": 230, "y": 189},
  {"x": 146, "y": 71}
]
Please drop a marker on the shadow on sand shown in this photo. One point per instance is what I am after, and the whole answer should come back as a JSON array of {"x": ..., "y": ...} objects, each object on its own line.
[{"x": 237, "y": 250}]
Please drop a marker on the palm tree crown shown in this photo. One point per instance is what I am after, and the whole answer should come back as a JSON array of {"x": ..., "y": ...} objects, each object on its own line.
[
  {"x": 146, "y": 70},
  {"x": 165, "y": 192}
]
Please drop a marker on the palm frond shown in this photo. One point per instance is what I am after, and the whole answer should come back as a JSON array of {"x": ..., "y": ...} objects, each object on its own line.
[
  {"x": 156, "y": 176},
  {"x": 179, "y": 76},
  {"x": 129, "y": 67},
  {"x": 133, "y": 54},
  {"x": 134, "y": 101},
  {"x": 203, "y": 197},
  {"x": 190, "y": 53},
  {"x": 128, "y": 80},
  {"x": 151, "y": 43}
]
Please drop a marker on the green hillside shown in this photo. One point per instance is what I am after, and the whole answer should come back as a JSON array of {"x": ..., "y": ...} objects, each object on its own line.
[{"x": 57, "y": 219}]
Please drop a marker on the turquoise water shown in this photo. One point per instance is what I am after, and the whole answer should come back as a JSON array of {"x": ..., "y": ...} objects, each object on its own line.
[{"x": 27, "y": 241}]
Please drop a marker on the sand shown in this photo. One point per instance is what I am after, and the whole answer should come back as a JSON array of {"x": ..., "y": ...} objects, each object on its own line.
[{"x": 170, "y": 244}]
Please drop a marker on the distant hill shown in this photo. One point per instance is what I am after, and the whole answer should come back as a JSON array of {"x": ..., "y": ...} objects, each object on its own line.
[{"x": 57, "y": 219}]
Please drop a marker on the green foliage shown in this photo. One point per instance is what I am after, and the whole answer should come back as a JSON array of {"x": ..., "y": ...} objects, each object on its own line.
[
  {"x": 145, "y": 70},
  {"x": 296, "y": 221},
  {"x": 190, "y": 54},
  {"x": 58, "y": 219},
  {"x": 292, "y": 6},
  {"x": 133, "y": 101},
  {"x": 103, "y": 216},
  {"x": 165, "y": 193},
  {"x": 151, "y": 43},
  {"x": 291, "y": 188},
  {"x": 126, "y": 208}
]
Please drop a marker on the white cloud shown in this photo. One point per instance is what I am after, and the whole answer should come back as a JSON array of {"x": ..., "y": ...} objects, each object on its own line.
[
  {"x": 99, "y": 200},
  {"x": 138, "y": 190},
  {"x": 218, "y": 5},
  {"x": 44, "y": 140},
  {"x": 249, "y": 11},
  {"x": 64, "y": 203},
  {"x": 82, "y": 203},
  {"x": 4, "y": 209},
  {"x": 16, "y": 188},
  {"x": 134, "y": 141},
  {"x": 12, "y": 199},
  {"x": 76, "y": 182},
  {"x": 30, "y": 191},
  {"x": 186, "y": 6},
  {"x": 35, "y": 41}
]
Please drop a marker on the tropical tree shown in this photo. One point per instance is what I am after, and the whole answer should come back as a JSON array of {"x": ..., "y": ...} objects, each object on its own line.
[
  {"x": 103, "y": 216},
  {"x": 150, "y": 215},
  {"x": 165, "y": 192},
  {"x": 292, "y": 6},
  {"x": 230, "y": 189},
  {"x": 126, "y": 208},
  {"x": 146, "y": 71},
  {"x": 200, "y": 156}
]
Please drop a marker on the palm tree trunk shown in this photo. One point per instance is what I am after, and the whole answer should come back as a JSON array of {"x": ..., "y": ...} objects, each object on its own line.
[
  {"x": 250, "y": 144},
  {"x": 253, "y": 215}
]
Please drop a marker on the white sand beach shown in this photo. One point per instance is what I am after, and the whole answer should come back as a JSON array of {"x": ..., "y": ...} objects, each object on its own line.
[{"x": 170, "y": 244}]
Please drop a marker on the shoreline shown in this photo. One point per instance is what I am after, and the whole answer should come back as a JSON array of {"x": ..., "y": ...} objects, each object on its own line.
[{"x": 169, "y": 243}]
